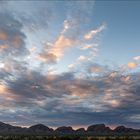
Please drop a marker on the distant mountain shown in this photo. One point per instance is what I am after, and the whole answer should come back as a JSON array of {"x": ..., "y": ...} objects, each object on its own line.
[
  {"x": 123, "y": 129},
  {"x": 65, "y": 130},
  {"x": 8, "y": 128},
  {"x": 40, "y": 129},
  {"x": 99, "y": 128},
  {"x": 81, "y": 130},
  {"x": 4, "y": 126}
]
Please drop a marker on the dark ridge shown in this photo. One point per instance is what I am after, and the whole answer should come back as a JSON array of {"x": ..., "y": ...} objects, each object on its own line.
[
  {"x": 99, "y": 128},
  {"x": 81, "y": 130},
  {"x": 64, "y": 129},
  {"x": 41, "y": 129},
  {"x": 123, "y": 129}
]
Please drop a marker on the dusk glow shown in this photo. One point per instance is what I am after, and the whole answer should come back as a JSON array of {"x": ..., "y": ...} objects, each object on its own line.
[{"x": 70, "y": 63}]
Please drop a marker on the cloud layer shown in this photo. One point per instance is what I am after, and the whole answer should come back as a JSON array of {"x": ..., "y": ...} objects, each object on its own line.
[
  {"x": 33, "y": 45},
  {"x": 111, "y": 98}
]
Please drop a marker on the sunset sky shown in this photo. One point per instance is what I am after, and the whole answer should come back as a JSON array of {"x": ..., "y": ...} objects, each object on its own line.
[{"x": 70, "y": 63}]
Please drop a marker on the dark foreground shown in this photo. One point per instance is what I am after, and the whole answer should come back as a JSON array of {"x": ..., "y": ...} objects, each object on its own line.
[
  {"x": 69, "y": 137},
  {"x": 42, "y": 132}
]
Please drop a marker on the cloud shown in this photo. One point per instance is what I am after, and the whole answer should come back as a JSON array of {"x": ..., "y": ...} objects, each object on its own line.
[
  {"x": 55, "y": 51},
  {"x": 67, "y": 26},
  {"x": 136, "y": 58},
  {"x": 89, "y": 46},
  {"x": 13, "y": 66},
  {"x": 92, "y": 93},
  {"x": 3, "y": 36},
  {"x": 43, "y": 12},
  {"x": 113, "y": 74},
  {"x": 71, "y": 34},
  {"x": 80, "y": 11},
  {"x": 2, "y": 89},
  {"x": 61, "y": 44},
  {"x": 96, "y": 69},
  {"x": 132, "y": 65},
  {"x": 82, "y": 58},
  {"x": 47, "y": 57},
  {"x": 65, "y": 97},
  {"x": 12, "y": 39},
  {"x": 94, "y": 32}
]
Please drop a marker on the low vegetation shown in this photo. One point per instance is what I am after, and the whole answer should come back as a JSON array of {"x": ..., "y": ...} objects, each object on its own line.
[{"x": 69, "y": 137}]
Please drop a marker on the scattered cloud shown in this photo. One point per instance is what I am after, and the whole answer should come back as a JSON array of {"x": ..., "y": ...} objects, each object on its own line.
[
  {"x": 47, "y": 57},
  {"x": 61, "y": 44},
  {"x": 66, "y": 26},
  {"x": 94, "y": 32},
  {"x": 132, "y": 65},
  {"x": 82, "y": 58},
  {"x": 136, "y": 58},
  {"x": 87, "y": 93},
  {"x": 89, "y": 46}
]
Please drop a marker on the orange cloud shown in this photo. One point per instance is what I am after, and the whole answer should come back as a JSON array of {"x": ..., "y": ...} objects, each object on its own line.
[
  {"x": 132, "y": 65},
  {"x": 3, "y": 47},
  {"x": 113, "y": 74},
  {"x": 126, "y": 79},
  {"x": 56, "y": 50},
  {"x": 3, "y": 36},
  {"x": 3, "y": 89},
  {"x": 114, "y": 103},
  {"x": 61, "y": 44}
]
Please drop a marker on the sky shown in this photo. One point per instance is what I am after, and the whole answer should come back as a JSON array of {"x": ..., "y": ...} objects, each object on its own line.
[{"x": 70, "y": 63}]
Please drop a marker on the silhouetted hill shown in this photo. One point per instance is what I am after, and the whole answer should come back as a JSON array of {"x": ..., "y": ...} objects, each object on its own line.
[
  {"x": 64, "y": 129},
  {"x": 123, "y": 129},
  {"x": 6, "y": 128},
  {"x": 99, "y": 128},
  {"x": 40, "y": 129},
  {"x": 81, "y": 130}
]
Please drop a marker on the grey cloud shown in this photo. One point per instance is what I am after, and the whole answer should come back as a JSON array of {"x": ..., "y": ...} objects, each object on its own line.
[
  {"x": 12, "y": 39},
  {"x": 68, "y": 100},
  {"x": 37, "y": 14}
]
